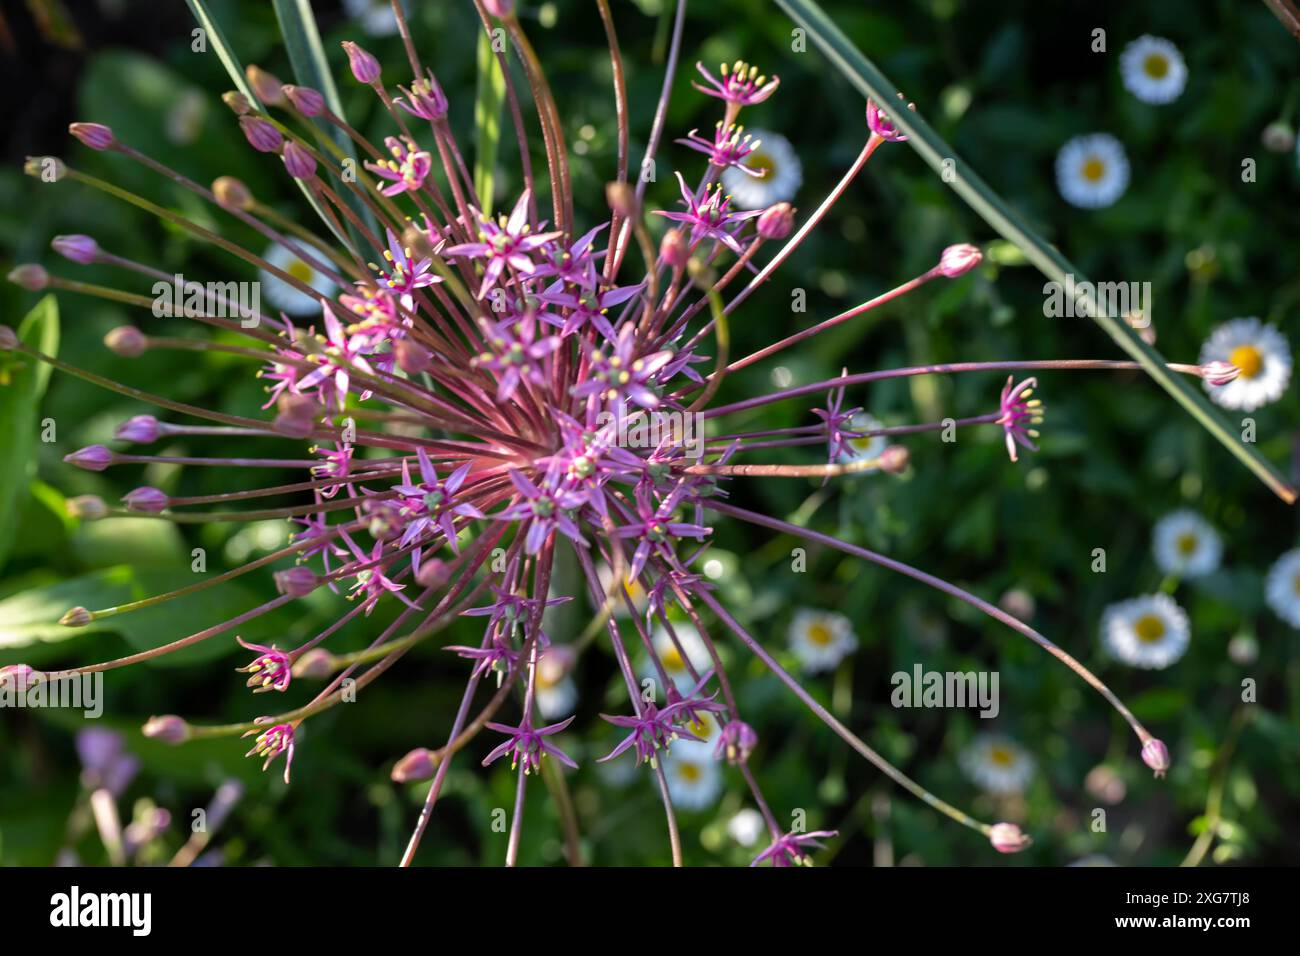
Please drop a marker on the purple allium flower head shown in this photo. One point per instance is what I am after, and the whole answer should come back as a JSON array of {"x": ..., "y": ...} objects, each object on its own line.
[
  {"x": 730, "y": 146},
  {"x": 407, "y": 169},
  {"x": 792, "y": 848},
  {"x": 879, "y": 123},
  {"x": 529, "y": 745},
  {"x": 507, "y": 242},
  {"x": 710, "y": 217},
  {"x": 272, "y": 669},
  {"x": 652, "y": 730},
  {"x": 273, "y": 741},
  {"x": 741, "y": 84},
  {"x": 618, "y": 375},
  {"x": 424, "y": 99},
  {"x": 1019, "y": 414},
  {"x": 736, "y": 742}
]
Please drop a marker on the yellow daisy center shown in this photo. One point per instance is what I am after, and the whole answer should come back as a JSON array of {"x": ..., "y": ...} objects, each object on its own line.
[
  {"x": 820, "y": 634},
  {"x": 1248, "y": 359},
  {"x": 689, "y": 772},
  {"x": 700, "y": 728},
  {"x": 672, "y": 660},
  {"x": 762, "y": 162},
  {"x": 1156, "y": 66},
  {"x": 1295, "y": 585},
  {"x": 1187, "y": 544},
  {"x": 1093, "y": 169},
  {"x": 1002, "y": 756},
  {"x": 300, "y": 271},
  {"x": 1149, "y": 628}
]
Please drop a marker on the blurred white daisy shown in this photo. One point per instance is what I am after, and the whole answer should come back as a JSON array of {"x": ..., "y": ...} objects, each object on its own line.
[
  {"x": 1097, "y": 859},
  {"x": 555, "y": 691},
  {"x": 782, "y": 173},
  {"x": 746, "y": 827},
  {"x": 1153, "y": 70},
  {"x": 1092, "y": 171},
  {"x": 1150, "y": 631},
  {"x": 1283, "y": 587},
  {"x": 374, "y": 16},
  {"x": 1186, "y": 544},
  {"x": 868, "y": 447},
  {"x": 635, "y": 592},
  {"x": 285, "y": 297},
  {"x": 997, "y": 764},
  {"x": 694, "y": 777},
  {"x": 821, "y": 639},
  {"x": 1260, "y": 352},
  {"x": 671, "y": 658}
]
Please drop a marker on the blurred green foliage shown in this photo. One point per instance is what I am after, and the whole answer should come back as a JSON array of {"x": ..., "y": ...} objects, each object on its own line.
[{"x": 1007, "y": 84}]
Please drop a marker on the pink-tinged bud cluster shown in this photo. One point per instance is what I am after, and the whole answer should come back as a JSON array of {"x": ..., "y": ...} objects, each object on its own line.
[
  {"x": 417, "y": 765},
  {"x": 1008, "y": 838},
  {"x": 879, "y": 123},
  {"x": 777, "y": 221},
  {"x": 1156, "y": 756},
  {"x": 95, "y": 135},
  {"x": 959, "y": 260},
  {"x": 740, "y": 84},
  {"x": 168, "y": 728}
]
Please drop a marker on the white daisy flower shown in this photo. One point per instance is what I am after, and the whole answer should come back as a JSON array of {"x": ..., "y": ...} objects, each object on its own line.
[
  {"x": 1150, "y": 631},
  {"x": 782, "y": 173},
  {"x": 1092, "y": 171},
  {"x": 1186, "y": 544},
  {"x": 997, "y": 764},
  {"x": 1153, "y": 70},
  {"x": 694, "y": 777},
  {"x": 285, "y": 297},
  {"x": 821, "y": 639},
  {"x": 555, "y": 691},
  {"x": 746, "y": 827},
  {"x": 635, "y": 592},
  {"x": 375, "y": 16},
  {"x": 671, "y": 658},
  {"x": 869, "y": 447},
  {"x": 1263, "y": 356},
  {"x": 1283, "y": 587}
]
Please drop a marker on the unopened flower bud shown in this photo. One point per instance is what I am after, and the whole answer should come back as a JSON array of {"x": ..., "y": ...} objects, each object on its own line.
[
  {"x": 316, "y": 664},
  {"x": 412, "y": 358},
  {"x": 297, "y": 416},
  {"x": 168, "y": 728},
  {"x": 17, "y": 676},
  {"x": 622, "y": 199},
  {"x": 145, "y": 499},
  {"x": 500, "y": 8},
  {"x": 91, "y": 458},
  {"x": 881, "y": 125},
  {"x": 78, "y": 248},
  {"x": 959, "y": 259},
  {"x": 8, "y": 339},
  {"x": 1008, "y": 838},
  {"x": 231, "y": 193},
  {"x": 1219, "y": 372},
  {"x": 1018, "y": 603},
  {"x": 237, "y": 102},
  {"x": 126, "y": 341},
  {"x": 776, "y": 221},
  {"x": 95, "y": 135},
  {"x": 1156, "y": 756},
  {"x": 434, "y": 573},
  {"x": 48, "y": 169},
  {"x": 266, "y": 86},
  {"x": 298, "y": 161},
  {"x": 298, "y": 581},
  {"x": 261, "y": 135},
  {"x": 1278, "y": 137},
  {"x": 419, "y": 764},
  {"x": 674, "y": 250},
  {"x": 894, "y": 459},
  {"x": 305, "y": 100},
  {"x": 364, "y": 66},
  {"x": 76, "y": 617},
  {"x": 30, "y": 276},
  {"x": 736, "y": 742},
  {"x": 86, "y": 507}
]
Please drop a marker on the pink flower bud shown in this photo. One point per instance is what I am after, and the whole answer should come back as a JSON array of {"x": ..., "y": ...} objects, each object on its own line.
[
  {"x": 298, "y": 161},
  {"x": 1008, "y": 838},
  {"x": 959, "y": 260},
  {"x": 8, "y": 339},
  {"x": 168, "y": 728},
  {"x": 1156, "y": 756},
  {"x": 145, "y": 499},
  {"x": 261, "y": 135},
  {"x": 17, "y": 676},
  {"x": 411, "y": 357},
  {"x": 500, "y": 8},
  {"x": 86, "y": 507},
  {"x": 126, "y": 341},
  {"x": 266, "y": 86},
  {"x": 894, "y": 459},
  {"x": 776, "y": 221},
  {"x": 433, "y": 573},
  {"x": 30, "y": 276},
  {"x": 94, "y": 135},
  {"x": 82, "y": 249},
  {"x": 674, "y": 251},
  {"x": 139, "y": 430},
  {"x": 298, "y": 581},
  {"x": 305, "y": 100},
  {"x": 316, "y": 664},
  {"x": 231, "y": 193},
  {"x": 621, "y": 198},
  {"x": 1219, "y": 372},
  {"x": 76, "y": 617},
  {"x": 237, "y": 102},
  {"x": 419, "y": 764},
  {"x": 297, "y": 416},
  {"x": 881, "y": 125},
  {"x": 364, "y": 66},
  {"x": 91, "y": 458}
]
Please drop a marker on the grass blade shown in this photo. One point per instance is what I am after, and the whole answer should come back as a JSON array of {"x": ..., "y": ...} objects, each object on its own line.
[
  {"x": 860, "y": 71},
  {"x": 487, "y": 119}
]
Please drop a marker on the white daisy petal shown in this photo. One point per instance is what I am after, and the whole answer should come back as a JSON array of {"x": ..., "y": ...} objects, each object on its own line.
[
  {"x": 863, "y": 448},
  {"x": 1150, "y": 631},
  {"x": 375, "y": 16},
  {"x": 1092, "y": 171},
  {"x": 285, "y": 297},
  {"x": 1263, "y": 355},
  {"x": 746, "y": 827},
  {"x": 782, "y": 173},
  {"x": 997, "y": 764},
  {"x": 1283, "y": 587},
  {"x": 671, "y": 658},
  {"x": 1153, "y": 70},
  {"x": 694, "y": 777},
  {"x": 1186, "y": 544},
  {"x": 821, "y": 639}
]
